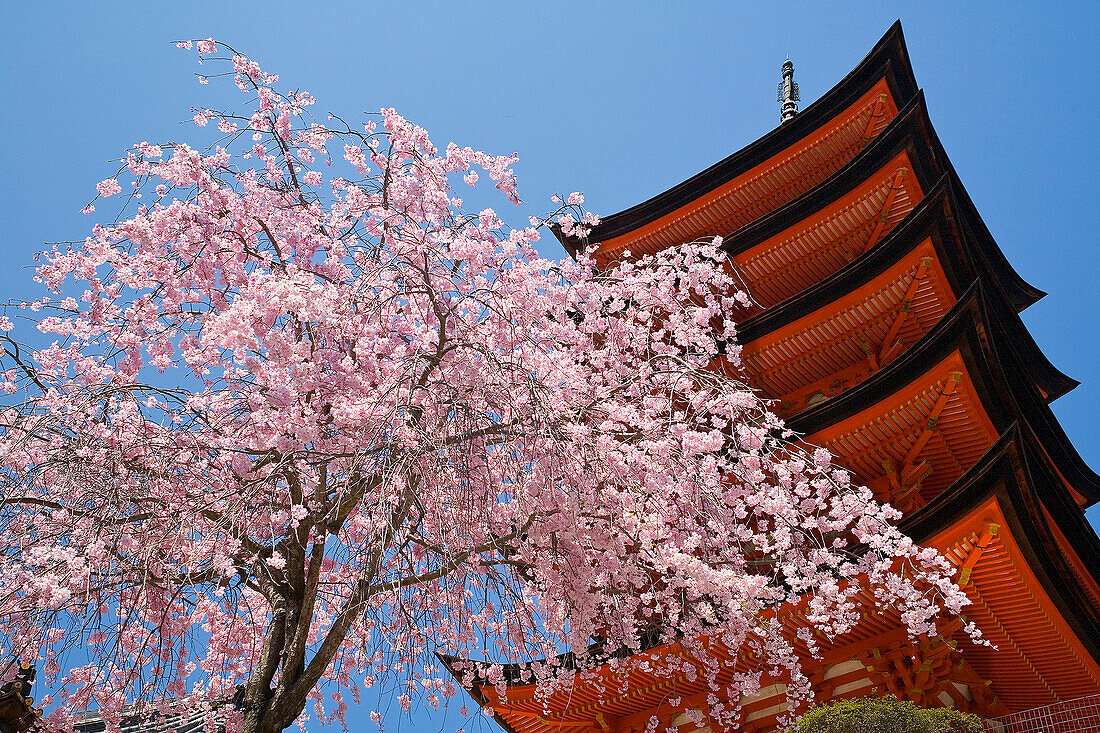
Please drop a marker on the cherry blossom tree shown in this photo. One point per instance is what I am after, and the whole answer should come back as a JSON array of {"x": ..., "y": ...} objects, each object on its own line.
[{"x": 303, "y": 422}]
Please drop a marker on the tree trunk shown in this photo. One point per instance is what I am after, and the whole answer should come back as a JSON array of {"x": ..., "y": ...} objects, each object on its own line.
[{"x": 252, "y": 721}]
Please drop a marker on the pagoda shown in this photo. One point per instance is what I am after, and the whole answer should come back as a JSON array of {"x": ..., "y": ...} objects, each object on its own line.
[{"x": 884, "y": 327}]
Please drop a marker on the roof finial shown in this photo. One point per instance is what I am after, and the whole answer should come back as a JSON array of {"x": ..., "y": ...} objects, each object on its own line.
[{"x": 788, "y": 93}]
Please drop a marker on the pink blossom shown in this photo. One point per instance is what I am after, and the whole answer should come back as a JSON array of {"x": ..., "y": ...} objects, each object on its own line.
[{"x": 108, "y": 187}]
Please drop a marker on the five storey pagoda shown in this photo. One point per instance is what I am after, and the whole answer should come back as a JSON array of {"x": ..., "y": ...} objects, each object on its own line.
[{"x": 885, "y": 327}]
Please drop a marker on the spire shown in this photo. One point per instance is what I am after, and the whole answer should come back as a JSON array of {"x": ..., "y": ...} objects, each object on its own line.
[{"x": 788, "y": 93}]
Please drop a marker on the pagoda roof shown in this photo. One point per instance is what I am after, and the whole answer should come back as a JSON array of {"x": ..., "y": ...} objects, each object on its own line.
[
  {"x": 1003, "y": 369},
  {"x": 833, "y": 223},
  {"x": 941, "y": 217},
  {"x": 196, "y": 721},
  {"x": 897, "y": 292},
  {"x": 910, "y": 132},
  {"x": 812, "y": 248},
  {"x": 888, "y": 62},
  {"x": 911, "y": 138},
  {"x": 846, "y": 239},
  {"x": 847, "y": 339}
]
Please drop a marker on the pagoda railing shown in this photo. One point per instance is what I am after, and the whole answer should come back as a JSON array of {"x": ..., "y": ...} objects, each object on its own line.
[{"x": 1070, "y": 716}]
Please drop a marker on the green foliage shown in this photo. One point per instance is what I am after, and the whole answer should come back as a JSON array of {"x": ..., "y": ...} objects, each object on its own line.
[{"x": 884, "y": 715}]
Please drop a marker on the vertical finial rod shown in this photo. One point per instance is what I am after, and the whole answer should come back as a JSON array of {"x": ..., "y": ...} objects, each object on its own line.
[{"x": 788, "y": 93}]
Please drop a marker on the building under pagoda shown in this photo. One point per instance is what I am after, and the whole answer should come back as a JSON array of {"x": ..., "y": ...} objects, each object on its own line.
[{"x": 886, "y": 328}]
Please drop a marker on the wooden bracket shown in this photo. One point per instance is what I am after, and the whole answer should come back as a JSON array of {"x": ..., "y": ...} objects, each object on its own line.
[
  {"x": 875, "y": 114},
  {"x": 976, "y": 554}
]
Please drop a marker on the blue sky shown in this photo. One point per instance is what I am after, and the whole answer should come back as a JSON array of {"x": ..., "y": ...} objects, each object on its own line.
[{"x": 619, "y": 100}]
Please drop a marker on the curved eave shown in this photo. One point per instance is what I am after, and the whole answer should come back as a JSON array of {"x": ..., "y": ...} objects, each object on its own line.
[
  {"x": 511, "y": 671},
  {"x": 1021, "y": 292},
  {"x": 1011, "y": 471},
  {"x": 938, "y": 218},
  {"x": 1013, "y": 342},
  {"x": 889, "y": 59},
  {"x": 1008, "y": 384},
  {"x": 1024, "y": 375},
  {"x": 1017, "y": 356},
  {"x": 1066, "y": 515},
  {"x": 929, "y": 219},
  {"x": 908, "y": 132},
  {"x": 912, "y": 132}
]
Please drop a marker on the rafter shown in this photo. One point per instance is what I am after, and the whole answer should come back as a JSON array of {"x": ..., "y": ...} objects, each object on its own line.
[
  {"x": 890, "y": 344},
  {"x": 1008, "y": 641},
  {"x": 884, "y": 213},
  {"x": 901, "y": 486},
  {"x": 869, "y": 353},
  {"x": 948, "y": 389},
  {"x": 849, "y": 242},
  {"x": 875, "y": 114}
]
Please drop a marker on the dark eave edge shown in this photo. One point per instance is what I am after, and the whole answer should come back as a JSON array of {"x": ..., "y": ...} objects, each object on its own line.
[
  {"x": 936, "y": 213},
  {"x": 1006, "y": 386},
  {"x": 448, "y": 663},
  {"x": 910, "y": 131},
  {"x": 932, "y": 168},
  {"x": 900, "y": 135},
  {"x": 901, "y": 240},
  {"x": 996, "y": 473}
]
